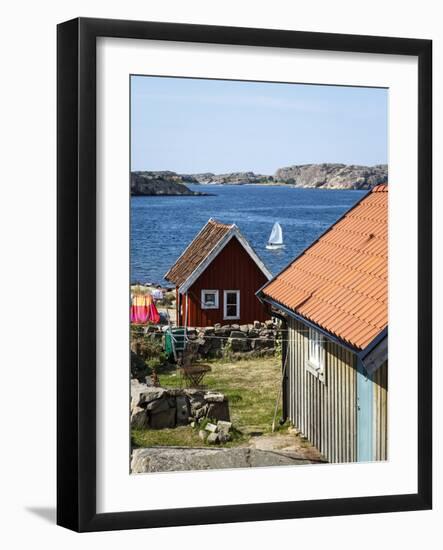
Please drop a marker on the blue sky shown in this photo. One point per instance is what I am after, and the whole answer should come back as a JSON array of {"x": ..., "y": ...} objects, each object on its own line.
[{"x": 192, "y": 125}]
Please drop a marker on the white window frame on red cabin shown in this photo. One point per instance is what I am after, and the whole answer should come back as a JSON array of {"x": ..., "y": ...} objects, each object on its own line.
[
  {"x": 203, "y": 302},
  {"x": 227, "y": 317}
]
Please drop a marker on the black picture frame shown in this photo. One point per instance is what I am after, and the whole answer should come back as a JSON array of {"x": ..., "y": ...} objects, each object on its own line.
[{"x": 76, "y": 264}]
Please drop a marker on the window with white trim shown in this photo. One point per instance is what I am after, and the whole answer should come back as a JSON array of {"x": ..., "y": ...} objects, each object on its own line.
[
  {"x": 231, "y": 304},
  {"x": 316, "y": 357},
  {"x": 209, "y": 299}
]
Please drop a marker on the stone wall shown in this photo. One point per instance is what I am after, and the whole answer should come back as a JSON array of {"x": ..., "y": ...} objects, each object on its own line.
[
  {"x": 157, "y": 408},
  {"x": 234, "y": 341}
]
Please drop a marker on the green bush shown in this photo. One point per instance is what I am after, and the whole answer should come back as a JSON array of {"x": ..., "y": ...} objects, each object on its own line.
[
  {"x": 147, "y": 355},
  {"x": 138, "y": 366},
  {"x": 147, "y": 347}
]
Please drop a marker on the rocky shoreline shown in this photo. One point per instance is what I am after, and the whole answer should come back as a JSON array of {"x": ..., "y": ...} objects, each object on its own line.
[
  {"x": 311, "y": 176},
  {"x": 333, "y": 176},
  {"x": 161, "y": 183}
]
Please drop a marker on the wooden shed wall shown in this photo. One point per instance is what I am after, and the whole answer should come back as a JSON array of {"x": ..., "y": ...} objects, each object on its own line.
[
  {"x": 326, "y": 412},
  {"x": 380, "y": 397},
  {"x": 232, "y": 269}
]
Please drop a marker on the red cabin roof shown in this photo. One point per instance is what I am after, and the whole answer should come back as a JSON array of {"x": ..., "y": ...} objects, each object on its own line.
[{"x": 208, "y": 243}]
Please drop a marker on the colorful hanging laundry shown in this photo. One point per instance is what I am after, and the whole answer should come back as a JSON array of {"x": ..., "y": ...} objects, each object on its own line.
[{"x": 143, "y": 310}]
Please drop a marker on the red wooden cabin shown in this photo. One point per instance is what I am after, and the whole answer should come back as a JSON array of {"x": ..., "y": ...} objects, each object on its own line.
[{"x": 216, "y": 278}]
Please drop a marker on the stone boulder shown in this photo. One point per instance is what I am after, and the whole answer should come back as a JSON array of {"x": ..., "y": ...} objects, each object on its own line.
[
  {"x": 214, "y": 397},
  {"x": 218, "y": 411},
  {"x": 149, "y": 394},
  {"x": 158, "y": 408},
  {"x": 167, "y": 459},
  {"x": 163, "y": 419},
  {"x": 261, "y": 343},
  {"x": 239, "y": 344},
  {"x": 238, "y": 334},
  {"x": 139, "y": 418},
  {"x": 182, "y": 410}
]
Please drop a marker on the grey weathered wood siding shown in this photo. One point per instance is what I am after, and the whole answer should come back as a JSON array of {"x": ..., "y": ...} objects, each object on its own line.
[
  {"x": 380, "y": 407},
  {"x": 325, "y": 412}
]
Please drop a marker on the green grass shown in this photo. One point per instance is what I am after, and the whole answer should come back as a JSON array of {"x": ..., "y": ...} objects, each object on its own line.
[
  {"x": 182, "y": 436},
  {"x": 252, "y": 387}
]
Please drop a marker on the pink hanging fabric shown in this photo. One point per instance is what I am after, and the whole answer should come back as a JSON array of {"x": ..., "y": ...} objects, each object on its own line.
[{"x": 143, "y": 310}]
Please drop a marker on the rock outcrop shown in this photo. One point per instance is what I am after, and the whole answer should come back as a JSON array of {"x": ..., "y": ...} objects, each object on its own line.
[
  {"x": 333, "y": 176},
  {"x": 161, "y": 183},
  {"x": 325, "y": 176},
  {"x": 234, "y": 178}
]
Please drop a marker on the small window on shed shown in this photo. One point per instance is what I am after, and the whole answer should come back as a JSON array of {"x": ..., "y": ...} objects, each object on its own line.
[
  {"x": 316, "y": 357},
  {"x": 231, "y": 304},
  {"x": 209, "y": 299}
]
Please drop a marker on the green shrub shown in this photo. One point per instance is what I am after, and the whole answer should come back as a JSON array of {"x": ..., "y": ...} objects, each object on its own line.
[
  {"x": 147, "y": 347},
  {"x": 147, "y": 355}
]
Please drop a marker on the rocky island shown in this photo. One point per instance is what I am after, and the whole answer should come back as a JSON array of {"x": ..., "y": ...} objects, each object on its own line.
[
  {"x": 333, "y": 176},
  {"x": 160, "y": 183},
  {"x": 324, "y": 176},
  {"x": 233, "y": 178}
]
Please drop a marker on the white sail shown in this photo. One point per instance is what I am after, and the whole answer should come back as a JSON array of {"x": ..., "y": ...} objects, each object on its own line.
[{"x": 276, "y": 236}]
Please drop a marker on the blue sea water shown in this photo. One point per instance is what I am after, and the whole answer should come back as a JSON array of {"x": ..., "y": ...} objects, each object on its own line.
[{"x": 161, "y": 227}]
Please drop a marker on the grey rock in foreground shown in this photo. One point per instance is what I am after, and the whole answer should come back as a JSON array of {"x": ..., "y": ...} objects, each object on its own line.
[{"x": 174, "y": 459}]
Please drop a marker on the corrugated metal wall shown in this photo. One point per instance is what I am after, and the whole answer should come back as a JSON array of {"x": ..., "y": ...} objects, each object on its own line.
[
  {"x": 325, "y": 413},
  {"x": 380, "y": 396}
]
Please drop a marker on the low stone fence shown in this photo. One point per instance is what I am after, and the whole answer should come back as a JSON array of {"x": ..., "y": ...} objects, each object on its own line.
[
  {"x": 235, "y": 341},
  {"x": 157, "y": 408}
]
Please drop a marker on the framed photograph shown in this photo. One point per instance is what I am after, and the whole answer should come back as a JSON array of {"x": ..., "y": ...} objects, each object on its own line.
[{"x": 244, "y": 274}]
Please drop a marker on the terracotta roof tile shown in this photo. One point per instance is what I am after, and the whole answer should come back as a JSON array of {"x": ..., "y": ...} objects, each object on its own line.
[
  {"x": 211, "y": 234},
  {"x": 340, "y": 282}
]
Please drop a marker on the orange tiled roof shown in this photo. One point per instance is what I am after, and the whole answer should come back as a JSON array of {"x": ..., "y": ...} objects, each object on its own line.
[
  {"x": 340, "y": 282},
  {"x": 197, "y": 251}
]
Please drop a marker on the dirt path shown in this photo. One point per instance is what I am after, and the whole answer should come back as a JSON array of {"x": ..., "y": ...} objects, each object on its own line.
[{"x": 288, "y": 444}]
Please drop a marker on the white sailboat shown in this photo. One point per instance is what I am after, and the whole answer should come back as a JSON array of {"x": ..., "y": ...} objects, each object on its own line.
[{"x": 275, "y": 240}]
